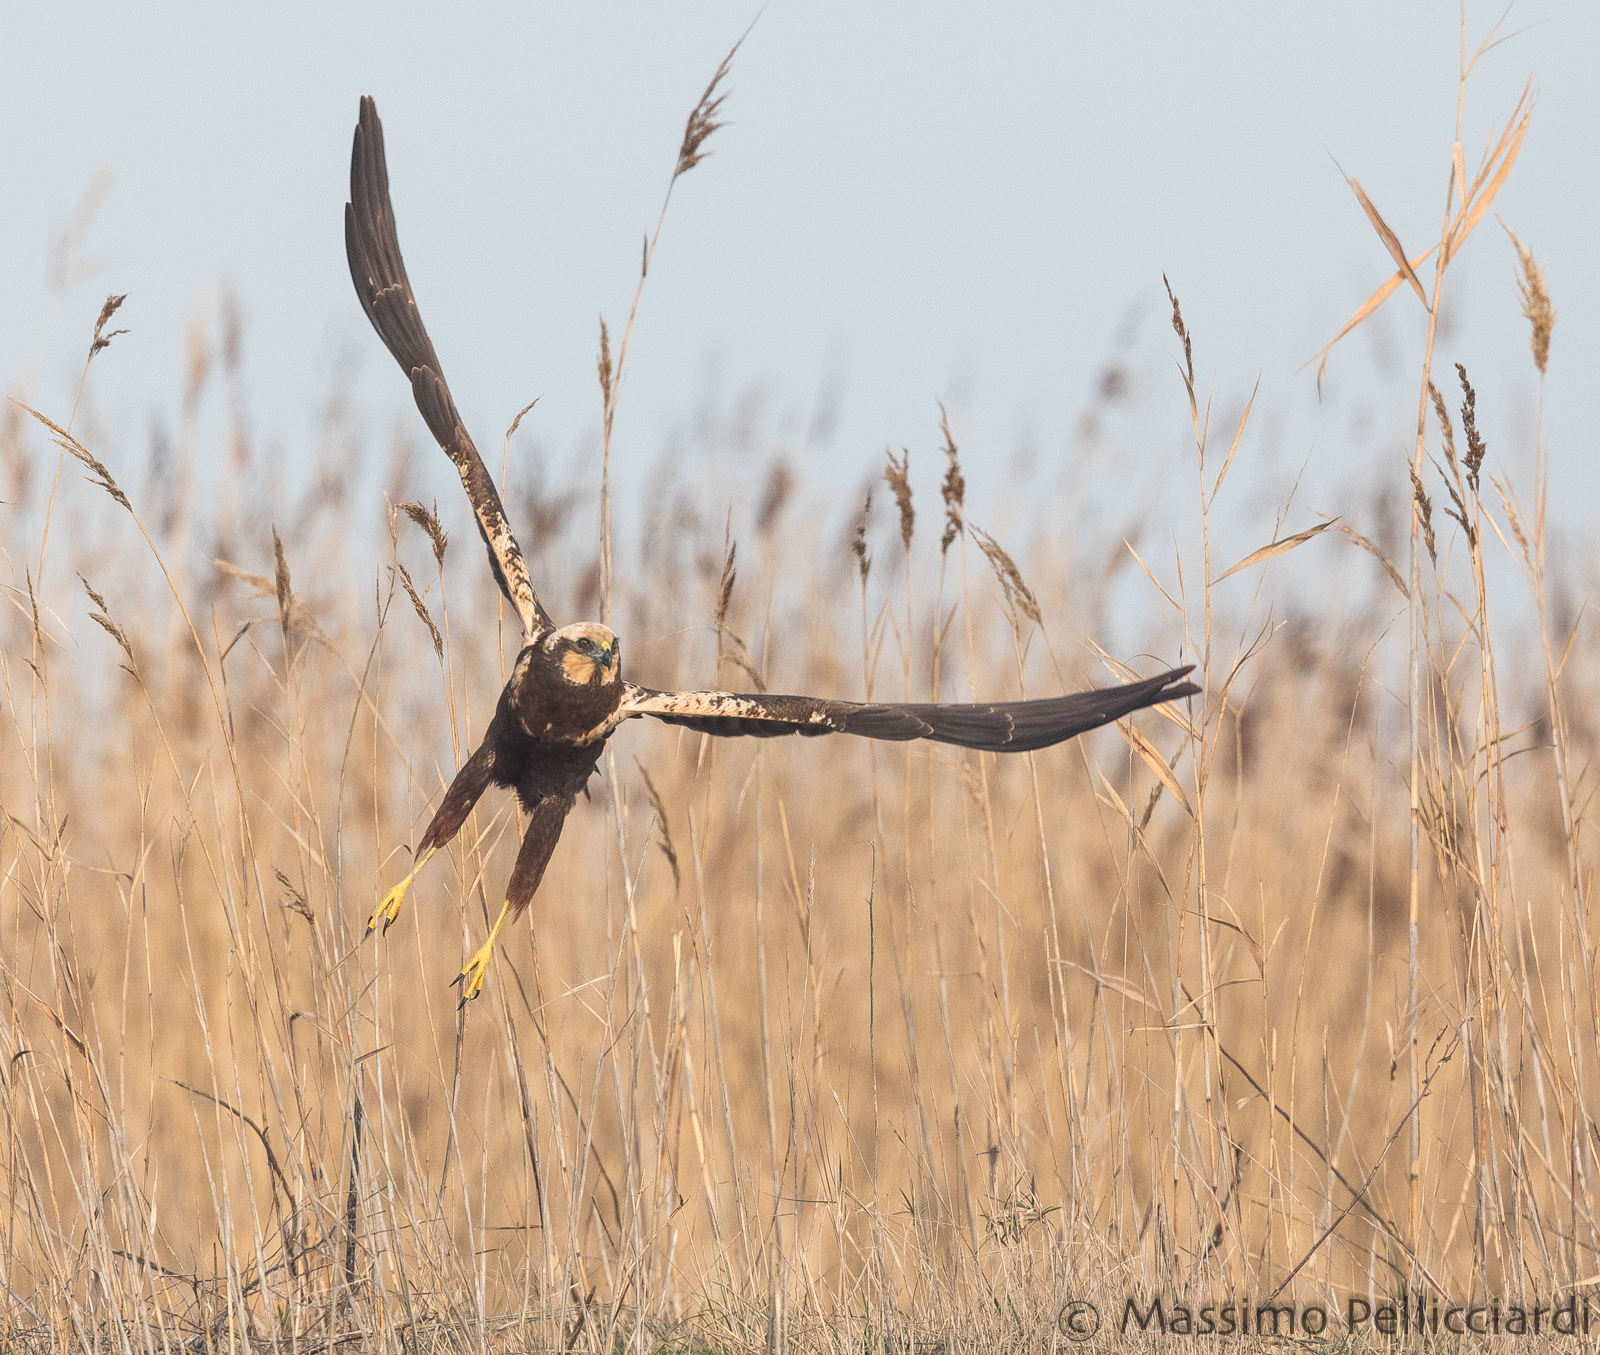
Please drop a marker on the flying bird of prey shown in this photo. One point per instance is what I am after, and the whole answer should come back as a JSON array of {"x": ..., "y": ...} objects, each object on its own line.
[{"x": 567, "y": 695}]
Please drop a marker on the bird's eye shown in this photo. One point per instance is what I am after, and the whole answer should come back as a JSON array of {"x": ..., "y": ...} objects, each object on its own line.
[{"x": 586, "y": 645}]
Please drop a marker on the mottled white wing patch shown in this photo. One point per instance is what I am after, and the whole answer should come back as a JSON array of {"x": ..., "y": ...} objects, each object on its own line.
[{"x": 819, "y": 714}]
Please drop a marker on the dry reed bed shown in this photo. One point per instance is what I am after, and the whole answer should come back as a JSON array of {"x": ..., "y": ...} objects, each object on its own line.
[{"x": 811, "y": 1043}]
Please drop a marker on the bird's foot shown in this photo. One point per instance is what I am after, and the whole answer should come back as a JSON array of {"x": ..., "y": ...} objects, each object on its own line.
[
  {"x": 474, "y": 973},
  {"x": 389, "y": 909},
  {"x": 476, "y": 969}
]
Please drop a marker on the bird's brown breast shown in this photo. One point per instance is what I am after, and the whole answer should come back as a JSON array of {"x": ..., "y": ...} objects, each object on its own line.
[{"x": 554, "y": 706}]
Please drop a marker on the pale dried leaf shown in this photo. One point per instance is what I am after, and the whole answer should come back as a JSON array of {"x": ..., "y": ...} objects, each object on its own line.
[
  {"x": 1391, "y": 241},
  {"x": 1276, "y": 548},
  {"x": 1494, "y": 526},
  {"x": 1508, "y": 157},
  {"x": 1175, "y": 606},
  {"x": 1518, "y": 114},
  {"x": 1566, "y": 649},
  {"x": 1155, "y": 762},
  {"x": 1119, "y": 986},
  {"x": 1115, "y": 802},
  {"x": 1237, "y": 434},
  {"x": 1256, "y": 953},
  {"x": 1362, "y": 312}
]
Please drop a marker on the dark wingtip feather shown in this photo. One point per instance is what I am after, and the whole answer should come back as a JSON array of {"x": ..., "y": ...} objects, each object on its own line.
[{"x": 1019, "y": 726}]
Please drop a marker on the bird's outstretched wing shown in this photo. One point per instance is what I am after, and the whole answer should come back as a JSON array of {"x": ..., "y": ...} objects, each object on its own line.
[
  {"x": 1007, "y": 727},
  {"x": 379, "y": 274}
]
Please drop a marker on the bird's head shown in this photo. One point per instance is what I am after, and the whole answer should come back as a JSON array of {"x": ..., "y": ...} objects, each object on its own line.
[{"x": 587, "y": 654}]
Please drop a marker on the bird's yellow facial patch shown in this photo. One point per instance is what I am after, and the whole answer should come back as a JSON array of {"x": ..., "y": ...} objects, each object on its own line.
[
  {"x": 589, "y": 653},
  {"x": 579, "y": 668}
]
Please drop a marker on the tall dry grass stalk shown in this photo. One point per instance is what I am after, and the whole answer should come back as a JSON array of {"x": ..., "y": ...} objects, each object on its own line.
[
  {"x": 793, "y": 1056},
  {"x": 1466, "y": 200}
]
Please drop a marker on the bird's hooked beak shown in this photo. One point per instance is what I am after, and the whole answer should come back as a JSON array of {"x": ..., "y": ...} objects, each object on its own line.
[{"x": 604, "y": 660}]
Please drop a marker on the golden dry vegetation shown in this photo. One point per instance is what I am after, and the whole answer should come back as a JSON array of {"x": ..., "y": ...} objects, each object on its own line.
[{"x": 811, "y": 1043}]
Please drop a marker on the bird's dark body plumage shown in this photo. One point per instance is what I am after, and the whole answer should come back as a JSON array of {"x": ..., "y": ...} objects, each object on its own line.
[
  {"x": 566, "y": 695},
  {"x": 547, "y": 777},
  {"x": 544, "y": 742}
]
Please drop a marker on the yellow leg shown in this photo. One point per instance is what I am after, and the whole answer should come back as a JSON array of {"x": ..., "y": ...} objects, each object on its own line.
[
  {"x": 477, "y": 968},
  {"x": 389, "y": 909}
]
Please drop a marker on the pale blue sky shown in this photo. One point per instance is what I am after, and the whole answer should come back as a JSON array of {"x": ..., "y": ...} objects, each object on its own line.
[{"x": 929, "y": 202}]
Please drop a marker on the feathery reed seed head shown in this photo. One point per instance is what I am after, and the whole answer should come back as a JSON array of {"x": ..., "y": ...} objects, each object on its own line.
[
  {"x": 1536, "y": 307},
  {"x": 725, "y": 589},
  {"x": 702, "y": 122},
  {"x": 1451, "y": 481},
  {"x": 604, "y": 364},
  {"x": 858, "y": 540},
  {"x": 101, "y": 338},
  {"x": 517, "y": 422},
  {"x": 1446, "y": 430},
  {"x": 428, "y": 521},
  {"x": 953, "y": 489},
  {"x": 103, "y": 619},
  {"x": 731, "y": 645},
  {"x": 71, "y": 445},
  {"x": 897, "y": 473},
  {"x": 284, "y": 590},
  {"x": 421, "y": 609},
  {"x": 1019, "y": 597},
  {"x": 294, "y": 900},
  {"x": 1477, "y": 449},
  {"x": 1182, "y": 332},
  {"x": 1425, "y": 512}
]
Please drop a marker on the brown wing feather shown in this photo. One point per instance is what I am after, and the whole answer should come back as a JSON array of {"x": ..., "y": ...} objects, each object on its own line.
[
  {"x": 379, "y": 273},
  {"x": 539, "y": 839},
  {"x": 1006, "y": 727},
  {"x": 469, "y": 784}
]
